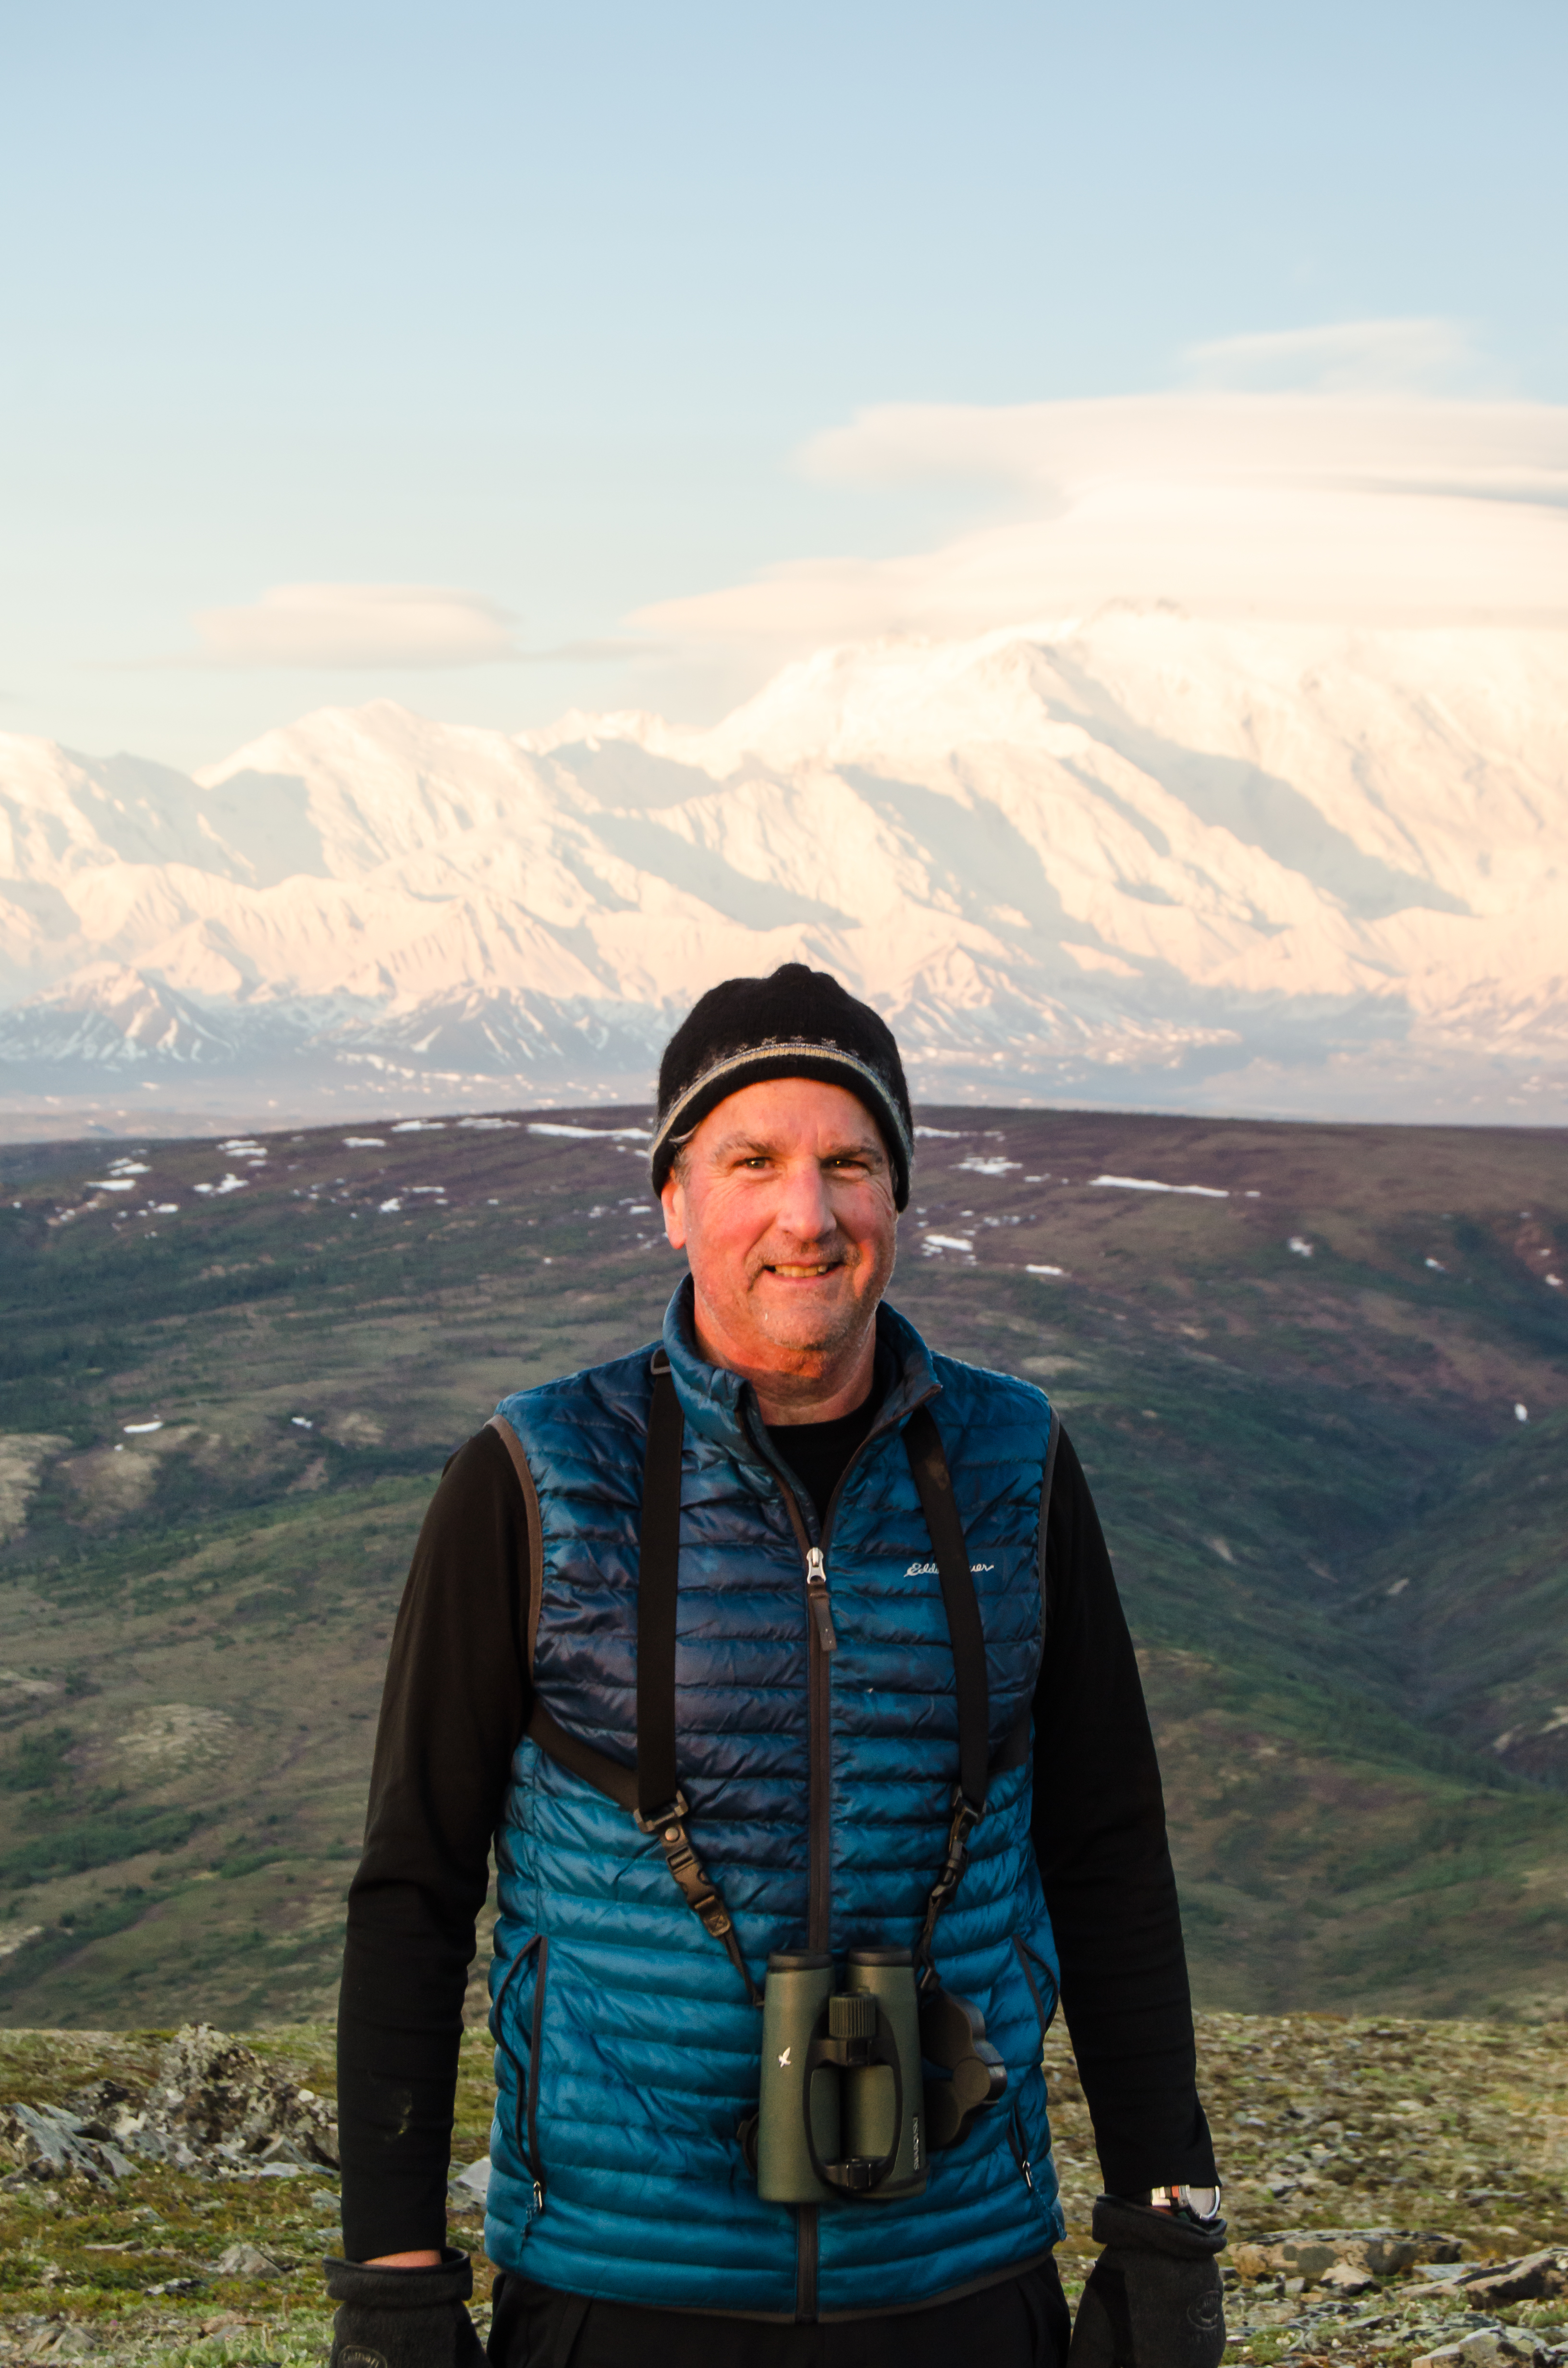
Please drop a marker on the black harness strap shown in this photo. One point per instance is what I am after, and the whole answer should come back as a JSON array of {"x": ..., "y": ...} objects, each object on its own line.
[
  {"x": 595, "y": 1767},
  {"x": 966, "y": 1633},
  {"x": 652, "y": 1791},
  {"x": 661, "y": 1808},
  {"x": 927, "y": 1463}
]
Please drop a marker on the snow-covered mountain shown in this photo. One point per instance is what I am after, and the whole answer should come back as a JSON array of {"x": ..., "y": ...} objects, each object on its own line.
[{"x": 1143, "y": 858}]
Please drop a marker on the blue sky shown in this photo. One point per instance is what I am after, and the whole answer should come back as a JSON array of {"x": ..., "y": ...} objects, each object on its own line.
[{"x": 543, "y": 306}]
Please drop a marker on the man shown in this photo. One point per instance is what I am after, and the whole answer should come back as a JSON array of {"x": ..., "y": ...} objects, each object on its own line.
[{"x": 781, "y": 1636}]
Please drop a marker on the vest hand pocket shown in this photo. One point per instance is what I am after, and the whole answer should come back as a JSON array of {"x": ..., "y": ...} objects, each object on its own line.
[{"x": 527, "y": 2075}]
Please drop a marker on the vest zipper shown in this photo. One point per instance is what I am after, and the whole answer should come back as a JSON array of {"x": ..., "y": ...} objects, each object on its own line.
[
  {"x": 817, "y": 1600},
  {"x": 822, "y": 1642},
  {"x": 536, "y": 2074},
  {"x": 806, "y": 2261},
  {"x": 1032, "y": 1961},
  {"x": 1021, "y": 2153}
]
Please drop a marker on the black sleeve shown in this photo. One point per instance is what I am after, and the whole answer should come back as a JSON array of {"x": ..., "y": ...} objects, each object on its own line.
[
  {"x": 457, "y": 1699},
  {"x": 1099, "y": 1835}
]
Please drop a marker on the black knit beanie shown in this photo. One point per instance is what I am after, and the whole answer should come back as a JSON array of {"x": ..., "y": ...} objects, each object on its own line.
[{"x": 799, "y": 1023}]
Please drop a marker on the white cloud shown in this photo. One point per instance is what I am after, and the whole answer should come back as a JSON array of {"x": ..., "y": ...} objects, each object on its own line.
[
  {"x": 1322, "y": 507},
  {"x": 1199, "y": 438},
  {"x": 356, "y": 625},
  {"x": 1426, "y": 357}
]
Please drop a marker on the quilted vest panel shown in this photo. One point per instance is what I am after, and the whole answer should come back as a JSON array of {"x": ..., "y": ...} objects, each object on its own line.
[{"x": 627, "y": 2051}]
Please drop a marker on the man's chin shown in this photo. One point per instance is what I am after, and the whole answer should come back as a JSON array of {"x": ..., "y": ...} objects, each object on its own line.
[{"x": 806, "y": 1319}]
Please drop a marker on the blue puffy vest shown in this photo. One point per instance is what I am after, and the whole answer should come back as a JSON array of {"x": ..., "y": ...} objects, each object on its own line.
[{"x": 821, "y": 1789}]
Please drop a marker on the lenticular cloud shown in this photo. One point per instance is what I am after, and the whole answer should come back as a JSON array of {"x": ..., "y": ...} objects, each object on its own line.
[
  {"x": 370, "y": 625},
  {"x": 1354, "y": 509}
]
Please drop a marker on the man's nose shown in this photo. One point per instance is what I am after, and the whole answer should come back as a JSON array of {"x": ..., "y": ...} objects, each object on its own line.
[{"x": 804, "y": 1209}]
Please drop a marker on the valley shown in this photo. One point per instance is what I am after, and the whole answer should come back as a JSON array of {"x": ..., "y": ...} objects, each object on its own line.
[{"x": 1318, "y": 1377}]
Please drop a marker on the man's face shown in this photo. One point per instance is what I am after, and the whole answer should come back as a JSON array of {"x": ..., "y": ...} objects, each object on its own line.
[{"x": 784, "y": 1206}]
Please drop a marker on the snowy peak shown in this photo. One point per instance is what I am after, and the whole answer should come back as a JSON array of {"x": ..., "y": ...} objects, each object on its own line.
[{"x": 1145, "y": 857}]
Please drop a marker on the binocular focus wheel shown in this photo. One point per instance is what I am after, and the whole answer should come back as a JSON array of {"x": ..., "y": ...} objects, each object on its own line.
[{"x": 855, "y": 2174}]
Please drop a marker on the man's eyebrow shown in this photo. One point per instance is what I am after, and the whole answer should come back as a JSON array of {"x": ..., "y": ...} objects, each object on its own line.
[{"x": 752, "y": 1146}]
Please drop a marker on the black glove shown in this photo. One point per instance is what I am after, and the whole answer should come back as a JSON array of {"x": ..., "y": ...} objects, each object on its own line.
[
  {"x": 402, "y": 2318},
  {"x": 1153, "y": 2299}
]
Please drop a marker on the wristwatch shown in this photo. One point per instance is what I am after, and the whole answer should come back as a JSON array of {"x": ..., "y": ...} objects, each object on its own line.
[{"x": 1199, "y": 2204}]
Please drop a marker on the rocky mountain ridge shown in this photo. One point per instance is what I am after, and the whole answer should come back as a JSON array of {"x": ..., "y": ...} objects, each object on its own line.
[{"x": 1143, "y": 858}]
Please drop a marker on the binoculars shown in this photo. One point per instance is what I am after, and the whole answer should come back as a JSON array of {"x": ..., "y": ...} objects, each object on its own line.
[{"x": 845, "y": 2108}]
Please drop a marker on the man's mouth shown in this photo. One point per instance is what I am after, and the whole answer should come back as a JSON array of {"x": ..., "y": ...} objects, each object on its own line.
[{"x": 794, "y": 1273}]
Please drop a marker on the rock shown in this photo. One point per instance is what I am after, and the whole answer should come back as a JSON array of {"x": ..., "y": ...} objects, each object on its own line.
[
  {"x": 1311, "y": 2253},
  {"x": 214, "y": 2093},
  {"x": 48, "y": 2141},
  {"x": 1489, "y": 2347},
  {"x": 63, "y": 2343},
  {"x": 1346, "y": 2279},
  {"x": 1537, "y": 2277},
  {"x": 212, "y": 2104},
  {"x": 246, "y": 2262},
  {"x": 475, "y": 2180},
  {"x": 283, "y": 2150}
]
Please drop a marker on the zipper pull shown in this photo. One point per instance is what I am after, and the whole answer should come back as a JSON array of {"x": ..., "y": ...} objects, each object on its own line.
[{"x": 816, "y": 1596}]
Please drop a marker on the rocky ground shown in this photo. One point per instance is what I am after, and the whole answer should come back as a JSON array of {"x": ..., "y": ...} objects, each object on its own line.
[
  {"x": 1397, "y": 2192},
  {"x": 1380, "y": 2174}
]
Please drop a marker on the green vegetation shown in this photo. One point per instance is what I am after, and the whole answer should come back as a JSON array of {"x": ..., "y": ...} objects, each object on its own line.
[
  {"x": 1342, "y": 1553},
  {"x": 1320, "y": 2122}
]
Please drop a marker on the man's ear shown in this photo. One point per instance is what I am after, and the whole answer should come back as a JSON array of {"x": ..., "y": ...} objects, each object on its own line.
[{"x": 672, "y": 1199}]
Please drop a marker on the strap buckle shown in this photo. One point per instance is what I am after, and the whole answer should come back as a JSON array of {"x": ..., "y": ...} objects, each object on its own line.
[
  {"x": 966, "y": 1816},
  {"x": 673, "y": 1813},
  {"x": 695, "y": 1886}
]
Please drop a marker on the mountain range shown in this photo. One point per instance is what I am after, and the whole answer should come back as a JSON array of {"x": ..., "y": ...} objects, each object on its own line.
[{"x": 1137, "y": 859}]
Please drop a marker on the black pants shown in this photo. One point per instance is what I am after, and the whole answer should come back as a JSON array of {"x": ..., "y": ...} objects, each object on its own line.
[{"x": 1020, "y": 2324}]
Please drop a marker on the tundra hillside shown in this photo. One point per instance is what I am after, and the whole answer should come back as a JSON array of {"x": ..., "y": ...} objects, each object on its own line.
[{"x": 1318, "y": 1375}]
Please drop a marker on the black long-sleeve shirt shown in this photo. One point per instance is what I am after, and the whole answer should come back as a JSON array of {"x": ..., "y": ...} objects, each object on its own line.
[{"x": 457, "y": 1697}]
